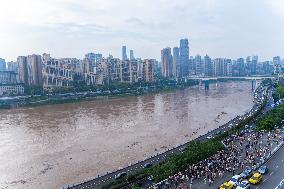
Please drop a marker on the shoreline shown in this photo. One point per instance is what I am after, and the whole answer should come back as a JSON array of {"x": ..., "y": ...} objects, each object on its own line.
[
  {"x": 27, "y": 101},
  {"x": 67, "y": 98}
]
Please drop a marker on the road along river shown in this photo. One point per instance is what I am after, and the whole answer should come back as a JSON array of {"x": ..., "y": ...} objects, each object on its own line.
[{"x": 50, "y": 146}]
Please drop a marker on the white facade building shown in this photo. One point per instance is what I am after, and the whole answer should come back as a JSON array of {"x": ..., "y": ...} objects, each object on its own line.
[{"x": 11, "y": 89}]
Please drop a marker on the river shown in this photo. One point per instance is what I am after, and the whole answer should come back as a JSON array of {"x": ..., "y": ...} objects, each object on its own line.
[{"x": 51, "y": 146}]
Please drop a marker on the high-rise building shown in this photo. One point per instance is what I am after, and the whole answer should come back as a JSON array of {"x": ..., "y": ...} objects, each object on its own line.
[
  {"x": 220, "y": 67},
  {"x": 148, "y": 70},
  {"x": 277, "y": 64},
  {"x": 94, "y": 59},
  {"x": 8, "y": 77},
  {"x": 218, "y": 64},
  {"x": 12, "y": 66},
  {"x": 166, "y": 60},
  {"x": 124, "y": 55},
  {"x": 60, "y": 72},
  {"x": 247, "y": 68},
  {"x": 240, "y": 67},
  {"x": 176, "y": 63},
  {"x": 2, "y": 64},
  {"x": 131, "y": 55},
  {"x": 253, "y": 66},
  {"x": 248, "y": 60},
  {"x": 191, "y": 66},
  {"x": 87, "y": 66},
  {"x": 208, "y": 66},
  {"x": 15, "y": 89},
  {"x": 22, "y": 70},
  {"x": 228, "y": 64},
  {"x": 134, "y": 70},
  {"x": 129, "y": 71},
  {"x": 34, "y": 64},
  {"x": 198, "y": 65},
  {"x": 267, "y": 68},
  {"x": 184, "y": 56}
]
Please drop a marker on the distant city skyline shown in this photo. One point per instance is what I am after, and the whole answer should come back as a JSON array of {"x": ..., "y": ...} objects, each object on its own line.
[
  {"x": 219, "y": 28},
  {"x": 50, "y": 73}
]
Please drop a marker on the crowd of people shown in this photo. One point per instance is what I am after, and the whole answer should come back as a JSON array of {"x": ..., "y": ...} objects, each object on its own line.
[{"x": 245, "y": 149}]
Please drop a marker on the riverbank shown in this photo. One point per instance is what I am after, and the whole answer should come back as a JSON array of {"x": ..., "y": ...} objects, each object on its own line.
[
  {"x": 102, "y": 92},
  {"x": 72, "y": 97}
]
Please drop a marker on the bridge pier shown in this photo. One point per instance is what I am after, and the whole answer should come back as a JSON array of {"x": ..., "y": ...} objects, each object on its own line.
[{"x": 206, "y": 85}]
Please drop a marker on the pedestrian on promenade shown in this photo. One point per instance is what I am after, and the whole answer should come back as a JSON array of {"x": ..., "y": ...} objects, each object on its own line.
[{"x": 209, "y": 183}]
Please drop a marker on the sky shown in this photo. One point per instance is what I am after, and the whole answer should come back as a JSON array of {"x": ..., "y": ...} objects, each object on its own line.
[{"x": 72, "y": 28}]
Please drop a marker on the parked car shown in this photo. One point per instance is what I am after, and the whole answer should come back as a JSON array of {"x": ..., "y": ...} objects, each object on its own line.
[
  {"x": 147, "y": 165},
  {"x": 244, "y": 185},
  {"x": 235, "y": 180},
  {"x": 256, "y": 178},
  {"x": 120, "y": 175},
  {"x": 226, "y": 185},
  {"x": 209, "y": 137},
  {"x": 150, "y": 178},
  {"x": 246, "y": 173},
  {"x": 263, "y": 169}
]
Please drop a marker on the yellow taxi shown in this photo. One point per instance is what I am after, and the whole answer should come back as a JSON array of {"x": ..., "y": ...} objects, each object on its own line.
[
  {"x": 226, "y": 185},
  {"x": 256, "y": 178}
]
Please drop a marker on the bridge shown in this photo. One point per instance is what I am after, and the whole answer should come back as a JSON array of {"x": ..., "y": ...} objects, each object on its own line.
[
  {"x": 254, "y": 79},
  {"x": 229, "y": 77}
]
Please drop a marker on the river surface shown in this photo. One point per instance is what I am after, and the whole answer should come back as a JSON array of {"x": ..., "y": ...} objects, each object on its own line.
[{"x": 50, "y": 146}]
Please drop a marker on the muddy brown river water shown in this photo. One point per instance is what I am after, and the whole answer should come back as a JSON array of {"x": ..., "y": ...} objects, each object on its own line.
[{"x": 50, "y": 146}]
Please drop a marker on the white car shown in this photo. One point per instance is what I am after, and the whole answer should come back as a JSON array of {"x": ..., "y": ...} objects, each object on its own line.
[
  {"x": 209, "y": 137},
  {"x": 235, "y": 180},
  {"x": 244, "y": 185}
]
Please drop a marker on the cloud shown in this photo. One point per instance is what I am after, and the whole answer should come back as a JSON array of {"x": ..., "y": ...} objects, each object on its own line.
[
  {"x": 221, "y": 28},
  {"x": 79, "y": 28},
  {"x": 277, "y": 6},
  {"x": 135, "y": 21}
]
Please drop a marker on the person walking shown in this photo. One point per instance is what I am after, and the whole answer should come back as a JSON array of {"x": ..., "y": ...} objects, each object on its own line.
[{"x": 209, "y": 182}]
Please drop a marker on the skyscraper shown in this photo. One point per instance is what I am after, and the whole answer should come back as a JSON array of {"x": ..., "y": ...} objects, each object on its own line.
[
  {"x": 12, "y": 66},
  {"x": 208, "y": 66},
  {"x": 86, "y": 67},
  {"x": 191, "y": 66},
  {"x": 241, "y": 67},
  {"x": 277, "y": 64},
  {"x": 254, "y": 62},
  {"x": 229, "y": 67},
  {"x": 166, "y": 60},
  {"x": 219, "y": 67},
  {"x": 94, "y": 60},
  {"x": 184, "y": 57},
  {"x": 124, "y": 55},
  {"x": 23, "y": 69},
  {"x": 198, "y": 65},
  {"x": 176, "y": 64},
  {"x": 148, "y": 70},
  {"x": 34, "y": 65},
  {"x": 248, "y": 60},
  {"x": 2, "y": 64},
  {"x": 131, "y": 55}
]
